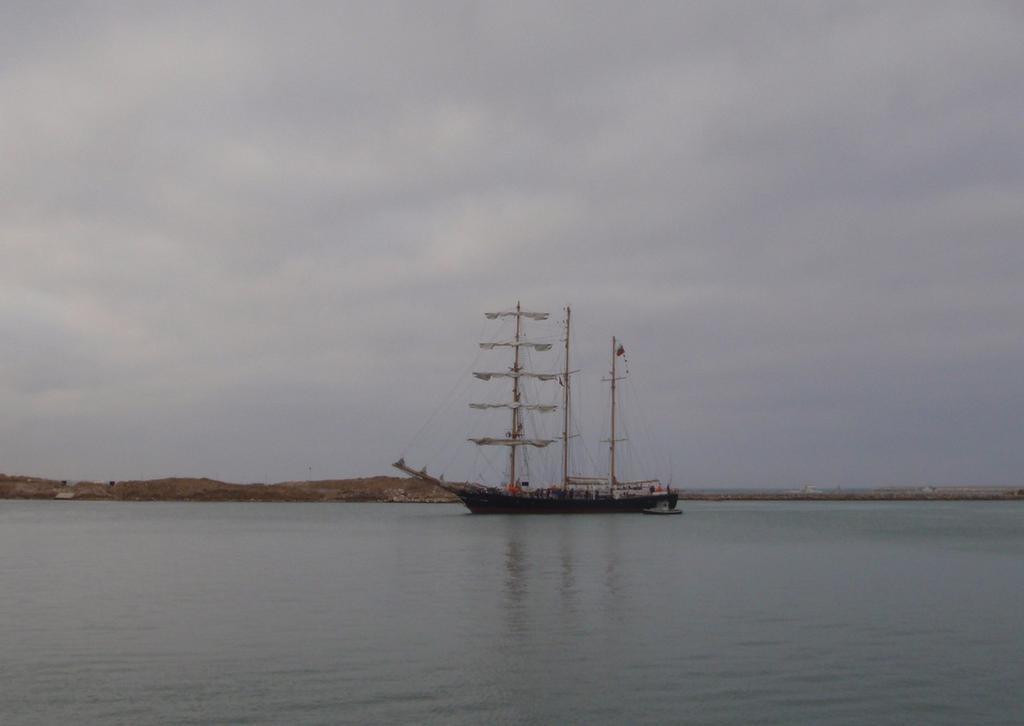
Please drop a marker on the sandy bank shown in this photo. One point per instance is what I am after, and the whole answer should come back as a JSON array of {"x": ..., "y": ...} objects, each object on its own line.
[{"x": 370, "y": 489}]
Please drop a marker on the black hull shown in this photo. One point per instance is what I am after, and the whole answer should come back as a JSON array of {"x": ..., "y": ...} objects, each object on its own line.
[{"x": 501, "y": 502}]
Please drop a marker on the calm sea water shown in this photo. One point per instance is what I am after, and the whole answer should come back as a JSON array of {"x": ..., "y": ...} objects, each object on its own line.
[{"x": 734, "y": 613}]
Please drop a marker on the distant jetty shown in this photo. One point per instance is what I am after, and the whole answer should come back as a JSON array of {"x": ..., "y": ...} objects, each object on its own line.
[
  {"x": 888, "y": 494},
  {"x": 400, "y": 489}
]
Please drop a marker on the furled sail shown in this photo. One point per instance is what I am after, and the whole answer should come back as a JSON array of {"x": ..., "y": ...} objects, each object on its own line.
[
  {"x": 488, "y": 375},
  {"x": 488, "y": 441},
  {"x": 516, "y": 344},
  {"x": 542, "y": 407},
  {"x": 511, "y": 313}
]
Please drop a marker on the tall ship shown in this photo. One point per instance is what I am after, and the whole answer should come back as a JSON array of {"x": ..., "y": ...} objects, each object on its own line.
[{"x": 570, "y": 494}]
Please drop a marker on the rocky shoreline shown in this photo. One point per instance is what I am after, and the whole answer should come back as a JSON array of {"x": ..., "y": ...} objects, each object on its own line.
[
  {"x": 179, "y": 489},
  {"x": 399, "y": 490}
]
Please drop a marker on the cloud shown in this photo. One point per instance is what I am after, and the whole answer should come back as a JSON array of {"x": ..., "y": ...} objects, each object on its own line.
[{"x": 244, "y": 239}]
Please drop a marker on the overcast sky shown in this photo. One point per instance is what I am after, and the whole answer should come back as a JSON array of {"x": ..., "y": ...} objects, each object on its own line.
[{"x": 255, "y": 241}]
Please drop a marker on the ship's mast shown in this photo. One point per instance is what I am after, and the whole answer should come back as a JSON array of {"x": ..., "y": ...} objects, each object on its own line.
[
  {"x": 611, "y": 439},
  {"x": 515, "y": 399},
  {"x": 565, "y": 404},
  {"x": 515, "y": 437}
]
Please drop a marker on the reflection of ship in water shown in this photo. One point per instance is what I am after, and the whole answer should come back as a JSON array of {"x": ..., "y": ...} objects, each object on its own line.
[
  {"x": 563, "y": 574},
  {"x": 572, "y": 494},
  {"x": 515, "y": 575},
  {"x": 567, "y": 586}
]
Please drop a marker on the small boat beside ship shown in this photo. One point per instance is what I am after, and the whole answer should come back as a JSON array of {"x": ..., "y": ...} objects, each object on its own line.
[
  {"x": 662, "y": 508},
  {"x": 570, "y": 494}
]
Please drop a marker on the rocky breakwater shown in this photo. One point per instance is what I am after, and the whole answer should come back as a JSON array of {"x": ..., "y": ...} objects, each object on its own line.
[{"x": 926, "y": 494}]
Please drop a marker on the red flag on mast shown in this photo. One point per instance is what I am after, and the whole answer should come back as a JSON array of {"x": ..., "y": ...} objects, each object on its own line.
[{"x": 620, "y": 351}]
